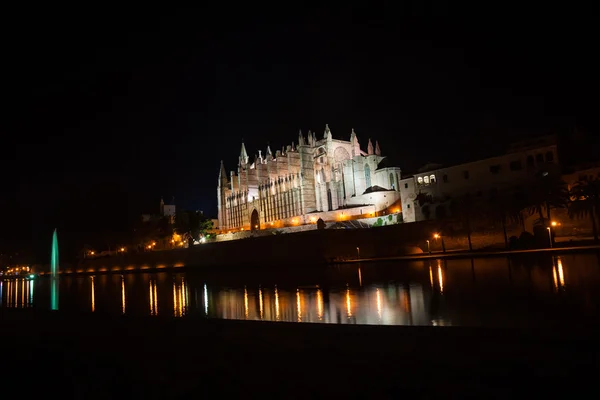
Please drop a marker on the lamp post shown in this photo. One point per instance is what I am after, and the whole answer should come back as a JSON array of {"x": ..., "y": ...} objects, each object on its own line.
[
  {"x": 428, "y": 247},
  {"x": 549, "y": 235},
  {"x": 358, "y": 252},
  {"x": 439, "y": 236}
]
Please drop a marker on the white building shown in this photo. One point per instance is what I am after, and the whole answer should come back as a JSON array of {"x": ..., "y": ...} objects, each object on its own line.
[
  {"x": 323, "y": 178},
  {"x": 508, "y": 172}
]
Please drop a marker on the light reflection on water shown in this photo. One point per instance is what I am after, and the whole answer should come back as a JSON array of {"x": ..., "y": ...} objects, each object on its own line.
[{"x": 453, "y": 292}]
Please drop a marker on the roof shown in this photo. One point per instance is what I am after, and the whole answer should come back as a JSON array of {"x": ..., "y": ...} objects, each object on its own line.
[{"x": 377, "y": 189}]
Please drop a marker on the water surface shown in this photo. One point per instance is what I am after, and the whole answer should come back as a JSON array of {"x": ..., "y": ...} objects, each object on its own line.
[{"x": 533, "y": 291}]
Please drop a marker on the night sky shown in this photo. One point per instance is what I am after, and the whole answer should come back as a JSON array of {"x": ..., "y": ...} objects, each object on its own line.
[{"x": 111, "y": 109}]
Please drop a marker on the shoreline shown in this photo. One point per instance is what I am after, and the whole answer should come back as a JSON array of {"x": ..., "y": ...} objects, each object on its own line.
[
  {"x": 416, "y": 257},
  {"x": 471, "y": 254},
  {"x": 160, "y": 357}
]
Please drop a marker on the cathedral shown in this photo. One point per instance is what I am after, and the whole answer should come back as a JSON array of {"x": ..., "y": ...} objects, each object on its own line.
[{"x": 321, "y": 178}]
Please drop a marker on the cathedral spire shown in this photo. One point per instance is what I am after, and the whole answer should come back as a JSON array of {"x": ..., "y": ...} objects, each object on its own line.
[
  {"x": 269, "y": 153},
  {"x": 243, "y": 154},
  {"x": 327, "y": 133},
  {"x": 377, "y": 149},
  {"x": 222, "y": 173},
  {"x": 370, "y": 147},
  {"x": 354, "y": 143}
]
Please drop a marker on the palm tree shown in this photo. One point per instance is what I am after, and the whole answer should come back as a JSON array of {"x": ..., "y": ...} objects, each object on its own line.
[
  {"x": 498, "y": 212},
  {"x": 466, "y": 209},
  {"x": 547, "y": 192},
  {"x": 585, "y": 202}
]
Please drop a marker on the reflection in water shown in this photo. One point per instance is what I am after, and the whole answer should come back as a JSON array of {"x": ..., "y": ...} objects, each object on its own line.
[
  {"x": 378, "y": 303},
  {"x": 205, "y": 300},
  {"x": 413, "y": 294},
  {"x": 440, "y": 276},
  {"x": 348, "y": 303},
  {"x": 276, "y": 304},
  {"x": 260, "y": 302},
  {"x": 180, "y": 298},
  {"x": 558, "y": 274},
  {"x": 122, "y": 294},
  {"x": 93, "y": 295},
  {"x": 320, "y": 304},
  {"x": 246, "y": 302},
  {"x": 430, "y": 276},
  {"x": 18, "y": 292},
  {"x": 153, "y": 298},
  {"x": 298, "y": 305}
]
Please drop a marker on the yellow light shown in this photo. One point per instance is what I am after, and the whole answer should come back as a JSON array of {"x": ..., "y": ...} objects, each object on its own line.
[
  {"x": 436, "y": 235},
  {"x": 153, "y": 243},
  {"x": 554, "y": 223},
  {"x": 122, "y": 248},
  {"x": 91, "y": 252},
  {"x": 255, "y": 226}
]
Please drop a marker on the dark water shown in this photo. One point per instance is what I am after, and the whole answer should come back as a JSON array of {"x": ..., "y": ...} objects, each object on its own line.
[{"x": 535, "y": 291}]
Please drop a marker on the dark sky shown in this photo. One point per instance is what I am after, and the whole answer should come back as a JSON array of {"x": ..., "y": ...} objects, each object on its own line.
[{"x": 110, "y": 109}]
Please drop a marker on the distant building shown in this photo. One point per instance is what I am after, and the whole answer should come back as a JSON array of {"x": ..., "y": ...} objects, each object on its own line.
[
  {"x": 322, "y": 178},
  {"x": 482, "y": 179},
  {"x": 165, "y": 210}
]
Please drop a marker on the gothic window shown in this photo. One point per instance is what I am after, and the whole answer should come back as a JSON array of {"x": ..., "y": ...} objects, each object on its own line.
[
  {"x": 368, "y": 175},
  {"x": 392, "y": 185},
  {"x": 432, "y": 178},
  {"x": 426, "y": 179},
  {"x": 549, "y": 157},
  {"x": 329, "y": 200},
  {"x": 420, "y": 180}
]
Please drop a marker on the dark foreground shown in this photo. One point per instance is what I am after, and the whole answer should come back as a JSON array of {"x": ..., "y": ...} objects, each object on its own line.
[{"x": 90, "y": 356}]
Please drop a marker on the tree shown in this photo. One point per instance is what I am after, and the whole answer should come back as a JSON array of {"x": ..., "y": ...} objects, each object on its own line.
[
  {"x": 192, "y": 223},
  {"x": 585, "y": 202},
  {"x": 466, "y": 209},
  {"x": 547, "y": 192}
]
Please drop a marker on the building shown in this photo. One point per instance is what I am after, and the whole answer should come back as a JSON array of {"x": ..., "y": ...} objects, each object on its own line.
[
  {"x": 322, "y": 178},
  {"x": 512, "y": 171},
  {"x": 165, "y": 210}
]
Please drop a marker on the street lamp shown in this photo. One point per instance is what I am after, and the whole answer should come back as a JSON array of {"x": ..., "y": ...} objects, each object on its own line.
[{"x": 549, "y": 235}]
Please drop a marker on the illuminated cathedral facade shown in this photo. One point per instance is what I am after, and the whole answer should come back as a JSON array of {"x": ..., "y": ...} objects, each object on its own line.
[{"x": 316, "y": 178}]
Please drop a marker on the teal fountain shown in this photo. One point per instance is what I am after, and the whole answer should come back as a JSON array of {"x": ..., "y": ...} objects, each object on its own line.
[{"x": 54, "y": 273}]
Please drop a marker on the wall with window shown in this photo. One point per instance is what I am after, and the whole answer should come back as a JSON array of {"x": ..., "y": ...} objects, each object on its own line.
[
  {"x": 483, "y": 178},
  {"x": 388, "y": 178}
]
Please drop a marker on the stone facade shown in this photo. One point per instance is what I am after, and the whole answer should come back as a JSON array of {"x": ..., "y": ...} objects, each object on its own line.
[
  {"x": 300, "y": 184},
  {"x": 508, "y": 172}
]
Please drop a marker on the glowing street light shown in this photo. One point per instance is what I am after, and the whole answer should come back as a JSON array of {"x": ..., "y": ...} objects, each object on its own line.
[
  {"x": 428, "y": 247},
  {"x": 550, "y": 235},
  {"x": 358, "y": 252},
  {"x": 554, "y": 223}
]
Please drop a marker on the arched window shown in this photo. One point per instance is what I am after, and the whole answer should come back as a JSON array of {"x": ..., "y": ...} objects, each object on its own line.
[
  {"x": 432, "y": 178},
  {"x": 368, "y": 175},
  {"x": 420, "y": 180},
  {"x": 549, "y": 157},
  {"x": 329, "y": 200},
  {"x": 426, "y": 179},
  {"x": 392, "y": 184}
]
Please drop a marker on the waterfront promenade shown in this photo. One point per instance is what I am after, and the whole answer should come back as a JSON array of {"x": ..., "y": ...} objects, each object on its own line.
[
  {"x": 473, "y": 254},
  {"x": 91, "y": 356}
]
